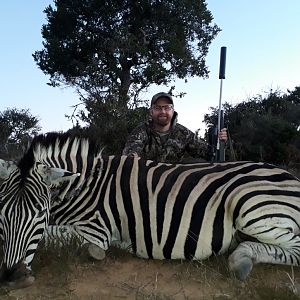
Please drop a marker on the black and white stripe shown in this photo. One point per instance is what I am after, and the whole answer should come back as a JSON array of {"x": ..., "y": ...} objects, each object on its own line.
[{"x": 167, "y": 211}]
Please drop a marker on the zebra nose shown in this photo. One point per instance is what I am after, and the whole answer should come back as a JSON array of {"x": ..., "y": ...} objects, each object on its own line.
[{"x": 18, "y": 276}]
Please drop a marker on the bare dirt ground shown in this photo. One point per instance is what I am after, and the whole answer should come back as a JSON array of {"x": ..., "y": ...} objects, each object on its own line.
[{"x": 69, "y": 274}]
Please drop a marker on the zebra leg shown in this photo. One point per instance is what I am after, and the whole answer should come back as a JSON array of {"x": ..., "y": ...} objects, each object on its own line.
[
  {"x": 284, "y": 249},
  {"x": 63, "y": 235},
  {"x": 60, "y": 235}
]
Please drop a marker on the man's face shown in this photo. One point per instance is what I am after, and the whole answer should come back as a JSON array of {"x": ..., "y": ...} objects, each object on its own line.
[{"x": 162, "y": 112}]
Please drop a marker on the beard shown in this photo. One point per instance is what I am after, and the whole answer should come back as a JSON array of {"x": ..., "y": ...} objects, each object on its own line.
[{"x": 162, "y": 119}]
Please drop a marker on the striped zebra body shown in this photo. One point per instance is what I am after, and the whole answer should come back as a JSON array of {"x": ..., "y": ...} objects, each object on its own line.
[{"x": 165, "y": 211}]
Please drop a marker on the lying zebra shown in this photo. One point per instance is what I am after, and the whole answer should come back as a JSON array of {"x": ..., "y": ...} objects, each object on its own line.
[{"x": 160, "y": 211}]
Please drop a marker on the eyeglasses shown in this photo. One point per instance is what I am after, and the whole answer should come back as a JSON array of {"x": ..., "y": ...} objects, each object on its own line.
[{"x": 167, "y": 107}]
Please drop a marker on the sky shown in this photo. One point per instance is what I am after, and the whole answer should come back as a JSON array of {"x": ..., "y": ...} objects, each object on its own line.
[{"x": 261, "y": 37}]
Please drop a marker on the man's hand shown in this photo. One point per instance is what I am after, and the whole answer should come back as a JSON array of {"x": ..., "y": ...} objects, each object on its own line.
[{"x": 223, "y": 135}]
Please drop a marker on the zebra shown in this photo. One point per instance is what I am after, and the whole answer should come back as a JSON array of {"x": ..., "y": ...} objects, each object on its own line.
[{"x": 154, "y": 210}]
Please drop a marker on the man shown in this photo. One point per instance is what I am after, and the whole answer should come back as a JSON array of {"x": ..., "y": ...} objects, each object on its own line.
[{"x": 163, "y": 139}]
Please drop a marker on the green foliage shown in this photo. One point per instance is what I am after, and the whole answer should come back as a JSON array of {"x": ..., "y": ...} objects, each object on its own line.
[
  {"x": 105, "y": 48},
  {"x": 109, "y": 124},
  {"x": 264, "y": 128},
  {"x": 264, "y": 138},
  {"x": 17, "y": 127}
]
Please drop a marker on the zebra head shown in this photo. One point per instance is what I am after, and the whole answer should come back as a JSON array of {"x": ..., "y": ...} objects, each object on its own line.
[{"x": 25, "y": 200}]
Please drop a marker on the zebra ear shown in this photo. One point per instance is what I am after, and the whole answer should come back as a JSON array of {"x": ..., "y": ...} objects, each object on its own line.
[
  {"x": 55, "y": 176},
  {"x": 6, "y": 168}
]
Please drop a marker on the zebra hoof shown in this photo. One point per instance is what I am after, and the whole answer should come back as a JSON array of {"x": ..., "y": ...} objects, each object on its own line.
[
  {"x": 96, "y": 252},
  {"x": 241, "y": 266}
]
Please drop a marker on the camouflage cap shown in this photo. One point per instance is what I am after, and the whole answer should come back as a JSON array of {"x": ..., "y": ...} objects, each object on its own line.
[{"x": 161, "y": 95}]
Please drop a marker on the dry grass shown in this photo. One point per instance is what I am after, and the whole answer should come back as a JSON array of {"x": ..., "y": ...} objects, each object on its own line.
[{"x": 66, "y": 272}]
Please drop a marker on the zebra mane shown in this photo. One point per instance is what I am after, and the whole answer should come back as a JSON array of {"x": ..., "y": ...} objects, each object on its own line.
[{"x": 50, "y": 148}]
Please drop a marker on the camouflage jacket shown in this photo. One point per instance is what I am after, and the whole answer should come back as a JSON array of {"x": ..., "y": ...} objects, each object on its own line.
[{"x": 179, "y": 144}]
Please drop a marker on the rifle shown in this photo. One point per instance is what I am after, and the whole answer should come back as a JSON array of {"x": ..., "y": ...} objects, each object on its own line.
[{"x": 217, "y": 147}]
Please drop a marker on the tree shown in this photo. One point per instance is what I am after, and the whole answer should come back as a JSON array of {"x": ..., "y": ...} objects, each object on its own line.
[
  {"x": 17, "y": 127},
  {"x": 115, "y": 49}
]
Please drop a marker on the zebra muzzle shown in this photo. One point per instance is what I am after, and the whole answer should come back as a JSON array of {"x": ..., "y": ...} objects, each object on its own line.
[{"x": 17, "y": 277}]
